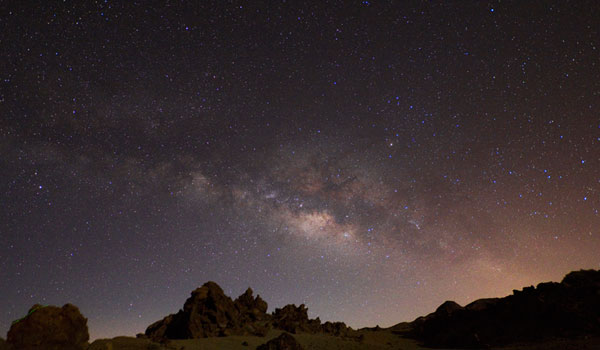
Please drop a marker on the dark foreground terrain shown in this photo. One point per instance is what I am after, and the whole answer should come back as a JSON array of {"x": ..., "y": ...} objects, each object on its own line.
[
  {"x": 569, "y": 309},
  {"x": 551, "y": 316}
]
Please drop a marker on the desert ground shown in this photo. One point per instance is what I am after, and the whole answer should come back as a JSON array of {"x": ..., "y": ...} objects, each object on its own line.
[
  {"x": 382, "y": 339},
  {"x": 373, "y": 340}
]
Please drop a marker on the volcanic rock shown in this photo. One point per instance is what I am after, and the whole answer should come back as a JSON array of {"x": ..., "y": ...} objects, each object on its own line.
[
  {"x": 447, "y": 308},
  {"x": 50, "y": 328},
  {"x": 284, "y": 342},
  {"x": 294, "y": 319},
  {"x": 207, "y": 313},
  {"x": 335, "y": 328},
  {"x": 249, "y": 307},
  {"x": 210, "y": 313},
  {"x": 567, "y": 309}
]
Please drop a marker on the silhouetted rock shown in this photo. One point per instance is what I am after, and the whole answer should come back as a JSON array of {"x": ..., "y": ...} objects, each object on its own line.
[
  {"x": 295, "y": 319},
  {"x": 567, "y": 309},
  {"x": 284, "y": 342},
  {"x": 447, "y": 308},
  {"x": 210, "y": 313},
  {"x": 50, "y": 328},
  {"x": 335, "y": 328},
  {"x": 253, "y": 317},
  {"x": 207, "y": 313},
  {"x": 249, "y": 307}
]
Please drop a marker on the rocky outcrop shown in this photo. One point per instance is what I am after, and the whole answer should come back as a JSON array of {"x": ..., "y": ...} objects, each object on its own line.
[
  {"x": 284, "y": 342},
  {"x": 50, "y": 328},
  {"x": 250, "y": 308},
  {"x": 567, "y": 309},
  {"x": 294, "y": 319},
  {"x": 210, "y": 313},
  {"x": 253, "y": 318},
  {"x": 338, "y": 329}
]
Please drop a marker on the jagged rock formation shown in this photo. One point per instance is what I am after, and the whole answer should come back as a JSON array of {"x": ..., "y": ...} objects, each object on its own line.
[
  {"x": 284, "y": 342},
  {"x": 50, "y": 328},
  {"x": 210, "y": 313},
  {"x": 253, "y": 317},
  {"x": 294, "y": 319},
  {"x": 565, "y": 309},
  {"x": 337, "y": 328}
]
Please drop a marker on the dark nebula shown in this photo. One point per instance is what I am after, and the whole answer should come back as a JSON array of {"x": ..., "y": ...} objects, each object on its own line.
[{"x": 370, "y": 159}]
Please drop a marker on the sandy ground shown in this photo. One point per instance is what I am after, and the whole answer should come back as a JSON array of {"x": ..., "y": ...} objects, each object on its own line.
[
  {"x": 379, "y": 340},
  {"x": 372, "y": 340}
]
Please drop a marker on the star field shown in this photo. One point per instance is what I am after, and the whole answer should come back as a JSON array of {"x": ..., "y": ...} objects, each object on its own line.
[{"x": 367, "y": 158}]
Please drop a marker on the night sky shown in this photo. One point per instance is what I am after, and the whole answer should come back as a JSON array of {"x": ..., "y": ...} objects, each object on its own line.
[{"x": 370, "y": 159}]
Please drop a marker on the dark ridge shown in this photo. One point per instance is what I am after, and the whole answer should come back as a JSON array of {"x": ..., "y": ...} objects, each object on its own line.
[{"x": 568, "y": 309}]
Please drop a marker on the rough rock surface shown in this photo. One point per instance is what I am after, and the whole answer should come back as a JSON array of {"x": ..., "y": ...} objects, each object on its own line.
[
  {"x": 567, "y": 309},
  {"x": 284, "y": 342},
  {"x": 294, "y": 319},
  {"x": 50, "y": 328},
  {"x": 336, "y": 328},
  {"x": 253, "y": 318},
  {"x": 250, "y": 308},
  {"x": 210, "y": 313}
]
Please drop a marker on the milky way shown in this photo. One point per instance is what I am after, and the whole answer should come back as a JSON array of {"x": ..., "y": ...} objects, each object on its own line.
[{"x": 368, "y": 159}]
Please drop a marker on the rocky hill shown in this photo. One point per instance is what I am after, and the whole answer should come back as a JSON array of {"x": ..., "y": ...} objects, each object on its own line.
[
  {"x": 567, "y": 309},
  {"x": 551, "y": 316},
  {"x": 210, "y": 313}
]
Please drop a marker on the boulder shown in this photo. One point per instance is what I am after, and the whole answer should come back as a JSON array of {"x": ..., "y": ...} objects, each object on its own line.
[
  {"x": 283, "y": 342},
  {"x": 50, "y": 328}
]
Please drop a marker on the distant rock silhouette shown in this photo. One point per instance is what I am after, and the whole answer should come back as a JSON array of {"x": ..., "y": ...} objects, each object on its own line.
[
  {"x": 567, "y": 309},
  {"x": 284, "y": 342},
  {"x": 336, "y": 328},
  {"x": 253, "y": 318},
  {"x": 447, "y": 308},
  {"x": 251, "y": 308},
  {"x": 294, "y": 319},
  {"x": 210, "y": 313},
  {"x": 50, "y": 328}
]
